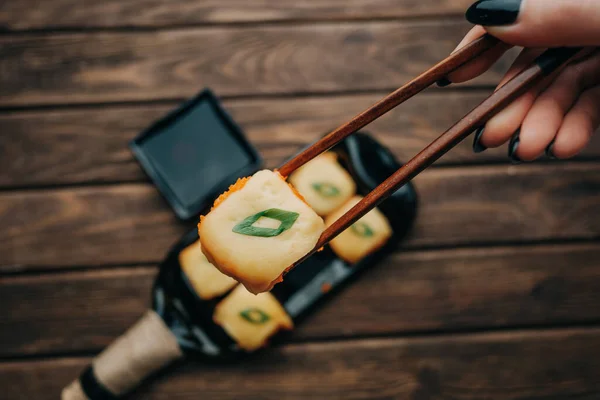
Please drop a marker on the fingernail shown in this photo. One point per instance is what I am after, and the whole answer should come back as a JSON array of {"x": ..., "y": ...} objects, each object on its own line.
[
  {"x": 512, "y": 148},
  {"x": 494, "y": 12},
  {"x": 444, "y": 82},
  {"x": 550, "y": 151},
  {"x": 477, "y": 146}
]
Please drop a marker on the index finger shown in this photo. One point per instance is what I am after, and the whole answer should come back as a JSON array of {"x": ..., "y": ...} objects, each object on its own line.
[{"x": 479, "y": 65}]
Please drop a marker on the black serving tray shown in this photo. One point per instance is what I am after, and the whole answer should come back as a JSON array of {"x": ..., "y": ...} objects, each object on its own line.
[
  {"x": 194, "y": 153},
  {"x": 190, "y": 317}
]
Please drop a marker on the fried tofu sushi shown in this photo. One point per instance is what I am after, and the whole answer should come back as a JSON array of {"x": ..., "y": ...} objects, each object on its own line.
[
  {"x": 364, "y": 236},
  {"x": 206, "y": 280},
  {"x": 258, "y": 229},
  {"x": 251, "y": 319},
  {"x": 324, "y": 183}
]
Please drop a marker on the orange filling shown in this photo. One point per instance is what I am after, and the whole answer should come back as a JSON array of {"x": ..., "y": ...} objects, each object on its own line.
[
  {"x": 241, "y": 182},
  {"x": 296, "y": 193},
  {"x": 238, "y": 185}
]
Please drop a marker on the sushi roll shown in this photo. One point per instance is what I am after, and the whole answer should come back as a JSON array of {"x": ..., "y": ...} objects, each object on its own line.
[
  {"x": 324, "y": 183},
  {"x": 207, "y": 281},
  {"x": 251, "y": 319},
  {"x": 364, "y": 236},
  {"x": 258, "y": 229}
]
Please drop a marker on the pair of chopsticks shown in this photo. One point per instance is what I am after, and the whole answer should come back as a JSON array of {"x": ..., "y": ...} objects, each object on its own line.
[{"x": 543, "y": 66}]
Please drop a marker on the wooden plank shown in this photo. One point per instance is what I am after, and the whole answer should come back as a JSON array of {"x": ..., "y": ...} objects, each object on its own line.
[
  {"x": 60, "y": 14},
  {"x": 322, "y": 58},
  {"x": 422, "y": 291},
  {"x": 466, "y": 289},
  {"x": 131, "y": 223},
  {"x": 90, "y": 144},
  {"x": 54, "y": 313},
  {"x": 541, "y": 365},
  {"x": 110, "y": 223}
]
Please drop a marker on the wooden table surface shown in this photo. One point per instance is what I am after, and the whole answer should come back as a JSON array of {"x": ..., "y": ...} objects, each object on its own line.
[{"x": 495, "y": 294}]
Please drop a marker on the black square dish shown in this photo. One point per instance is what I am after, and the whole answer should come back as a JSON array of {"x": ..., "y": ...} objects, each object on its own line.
[{"x": 194, "y": 152}]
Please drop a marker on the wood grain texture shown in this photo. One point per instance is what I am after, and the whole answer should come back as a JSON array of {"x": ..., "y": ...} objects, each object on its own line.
[
  {"x": 31, "y": 14},
  {"x": 408, "y": 292},
  {"x": 323, "y": 58},
  {"x": 98, "y": 225},
  {"x": 541, "y": 365},
  {"x": 72, "y": 311},
  {"x": 466, "y": 54},
  {"x": 90, "y": 144},
  {"x": 132, "y": 224}
]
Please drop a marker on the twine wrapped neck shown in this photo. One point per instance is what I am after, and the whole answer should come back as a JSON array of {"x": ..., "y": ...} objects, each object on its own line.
[{"x": 146, "y": 347}]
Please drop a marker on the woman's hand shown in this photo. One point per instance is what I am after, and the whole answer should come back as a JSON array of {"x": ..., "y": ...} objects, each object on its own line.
[{"x": 559, "y": 115}]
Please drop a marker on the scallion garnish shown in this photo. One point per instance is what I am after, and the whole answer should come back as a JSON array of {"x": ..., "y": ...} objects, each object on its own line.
[
  {"x": 255, "y": 316},
  {"x": 326, "y": 189},
  {"x": 362, "y": 229},
  {"x": 287, "y": 219}
]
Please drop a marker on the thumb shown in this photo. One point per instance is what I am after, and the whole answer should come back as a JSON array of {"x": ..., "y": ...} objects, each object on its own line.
[{"x": 539, "y": 23}]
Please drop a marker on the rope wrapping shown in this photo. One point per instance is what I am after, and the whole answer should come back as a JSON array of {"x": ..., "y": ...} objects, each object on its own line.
[{"x": 145, "y": 348}]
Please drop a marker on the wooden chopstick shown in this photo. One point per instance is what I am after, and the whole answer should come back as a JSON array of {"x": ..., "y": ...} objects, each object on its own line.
[
  {"x": 543, "y": 66},
  {"x": 421, "y": 82}
]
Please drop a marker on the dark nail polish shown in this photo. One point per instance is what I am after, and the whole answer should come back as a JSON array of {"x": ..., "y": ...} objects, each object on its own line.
[
  {"x": 550, "y": 152},
  {"x": 512, "y": 148},
  {"x": 494, "y": 12},
  {"x": 444, "y": 82},
  {"x": 477, "y": 146}
]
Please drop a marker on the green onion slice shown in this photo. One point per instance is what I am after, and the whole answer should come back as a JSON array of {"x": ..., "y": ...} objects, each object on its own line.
[
  {"x": 326, "y": 189},
  {"x": 362, "y": 229},
  {"x": 255, "y": 316},
  {"x": 287, "y": 219}
]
